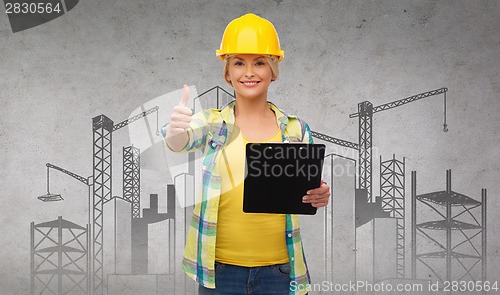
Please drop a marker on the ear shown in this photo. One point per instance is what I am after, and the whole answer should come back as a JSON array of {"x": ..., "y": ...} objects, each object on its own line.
[
  {"x": 226, "y": 77},
  {"x": 273, "y": 77}
]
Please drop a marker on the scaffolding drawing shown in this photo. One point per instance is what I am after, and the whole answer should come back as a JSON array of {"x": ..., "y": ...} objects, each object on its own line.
[
  {"x": 459, "y": 234},
  {"x": 392, "y": 191},
  {"x": 59, "y": 258},
  {"x": 132, "y": 179}
]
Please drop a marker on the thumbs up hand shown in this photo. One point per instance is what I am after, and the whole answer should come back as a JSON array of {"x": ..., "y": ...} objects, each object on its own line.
[{"x": 176, "y": 130}]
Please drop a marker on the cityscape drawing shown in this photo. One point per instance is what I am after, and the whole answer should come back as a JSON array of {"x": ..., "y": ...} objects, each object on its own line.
[{"x": 385, "y": 241}]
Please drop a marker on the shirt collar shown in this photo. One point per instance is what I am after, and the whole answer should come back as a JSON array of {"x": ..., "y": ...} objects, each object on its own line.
[{"x": 227, "y": 114}]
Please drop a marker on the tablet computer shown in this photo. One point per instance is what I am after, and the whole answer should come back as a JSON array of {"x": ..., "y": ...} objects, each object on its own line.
[{"x": 278, "y": 175}]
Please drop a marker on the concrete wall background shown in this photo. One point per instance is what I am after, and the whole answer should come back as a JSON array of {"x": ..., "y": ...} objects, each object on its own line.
[{"x": 108, "y": 57}]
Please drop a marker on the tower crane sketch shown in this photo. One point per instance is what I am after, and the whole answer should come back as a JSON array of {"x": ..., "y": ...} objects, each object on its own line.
[
  {"x": 365, "y": 114},
  {"x": 392, "y": 198},
  {"x": 103, "y": 129}
]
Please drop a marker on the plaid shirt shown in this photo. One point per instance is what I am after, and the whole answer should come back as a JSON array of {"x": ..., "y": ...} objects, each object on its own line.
[{"x": 208, "y": 132}]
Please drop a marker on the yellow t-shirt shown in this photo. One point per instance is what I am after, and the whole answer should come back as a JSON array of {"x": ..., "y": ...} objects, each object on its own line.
[{"x": 245, "y": 239}]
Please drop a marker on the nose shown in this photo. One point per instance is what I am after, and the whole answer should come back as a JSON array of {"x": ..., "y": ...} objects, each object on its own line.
[{"x": 249, "y": 71}]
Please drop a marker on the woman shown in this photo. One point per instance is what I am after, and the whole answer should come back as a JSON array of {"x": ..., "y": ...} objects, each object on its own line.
[{"x": 229, "y": 251}]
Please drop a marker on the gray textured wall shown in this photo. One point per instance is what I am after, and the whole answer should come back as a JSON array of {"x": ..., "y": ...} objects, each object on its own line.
[{"x": 109, "y": 57}]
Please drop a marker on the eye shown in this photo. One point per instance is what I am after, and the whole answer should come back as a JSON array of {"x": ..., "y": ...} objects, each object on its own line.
[
  {"x": 238, "y": 63},
  {"x": 260, "y": 63}
]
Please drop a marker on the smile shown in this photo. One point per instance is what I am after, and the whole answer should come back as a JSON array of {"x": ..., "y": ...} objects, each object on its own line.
[{"x": 250, "y": 83}]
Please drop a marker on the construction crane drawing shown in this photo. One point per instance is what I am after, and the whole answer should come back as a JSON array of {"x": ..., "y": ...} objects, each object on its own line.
[
  {"x": 103, "y": 129},
  {"x": 49, "y": 197},
  {"x": 365, "y": 114},
  {"x": 100, "y": 188}
]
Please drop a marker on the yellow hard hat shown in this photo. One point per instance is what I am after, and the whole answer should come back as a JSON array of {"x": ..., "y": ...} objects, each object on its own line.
[{"x": 250, "y": 34}]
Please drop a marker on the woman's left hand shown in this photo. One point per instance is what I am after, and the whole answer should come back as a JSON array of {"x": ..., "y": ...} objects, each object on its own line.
[{"x": 318, "y": 197}]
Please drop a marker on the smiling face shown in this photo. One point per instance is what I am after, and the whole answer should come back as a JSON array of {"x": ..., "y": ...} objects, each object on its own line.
[{"x": 250, "y": 75}]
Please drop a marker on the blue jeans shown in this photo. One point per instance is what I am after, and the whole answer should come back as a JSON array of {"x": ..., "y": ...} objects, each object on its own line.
[{"x": 240, "y": 280}]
